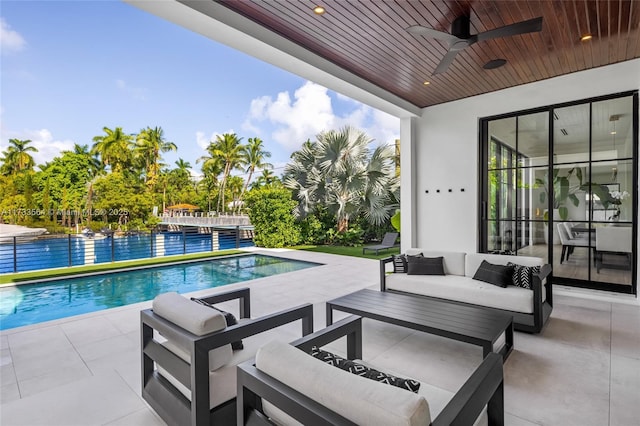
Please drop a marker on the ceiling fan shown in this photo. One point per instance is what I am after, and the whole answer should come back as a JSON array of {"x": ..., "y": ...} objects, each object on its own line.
[{"x": 460, "y": 37}]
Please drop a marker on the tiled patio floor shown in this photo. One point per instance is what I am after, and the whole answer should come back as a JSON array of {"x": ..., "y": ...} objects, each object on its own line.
[{"x": 584, "y": 369}]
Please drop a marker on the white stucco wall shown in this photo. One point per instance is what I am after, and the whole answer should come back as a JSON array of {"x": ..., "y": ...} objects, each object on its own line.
[{"x": 446, "y": 149}]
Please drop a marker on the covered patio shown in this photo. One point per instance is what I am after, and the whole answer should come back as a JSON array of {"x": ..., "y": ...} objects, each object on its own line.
[{"x": 583, "y": 369}]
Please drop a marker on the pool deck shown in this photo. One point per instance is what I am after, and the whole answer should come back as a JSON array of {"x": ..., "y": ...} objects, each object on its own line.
[{"x": 583, "y": 369}]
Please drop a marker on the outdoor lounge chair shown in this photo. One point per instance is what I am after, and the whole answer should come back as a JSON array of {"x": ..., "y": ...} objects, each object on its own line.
[
  {"x": 189, "y": 379},
  {"x": 285, "y": 386},
  {"x": 389, "y": 241}
]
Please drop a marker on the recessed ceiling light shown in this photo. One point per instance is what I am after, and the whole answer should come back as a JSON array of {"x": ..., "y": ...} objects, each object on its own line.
[
  {"x": 319, "y": 10},
  {"x": 614, "y": 132},
  {"x": 586, "y": 37},
  {"x": 493, "y": 64},
  {"x": 426, "y": 83}
]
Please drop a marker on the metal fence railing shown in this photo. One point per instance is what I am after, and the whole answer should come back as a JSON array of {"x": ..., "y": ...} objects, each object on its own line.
[{"x": 18, "y": 254}]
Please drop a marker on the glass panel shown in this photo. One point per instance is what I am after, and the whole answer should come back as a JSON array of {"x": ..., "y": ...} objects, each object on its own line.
[
  {"x": 530, "y": 239},
  {"x": 502, "y": 134},
  {"x": 533, "y": 139},
  {"x": 612, "y": 129},
  {"x": 611, "y": 191},
  {"x": 502, "y": 194},
  {"x": 613, "y": 258},
  {"x": 501, "y": 236},
  {"x": 571, "y": 251},
  {"x": 571, "y": 134}
]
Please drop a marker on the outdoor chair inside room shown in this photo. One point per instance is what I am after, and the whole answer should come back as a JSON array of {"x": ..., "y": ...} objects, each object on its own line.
[
  {"x": 188, "y": 374},
  {"x": 389, "y": 241},
  {"x": 570, "y": 240},
  {"x": 613, "y": 240},
  {"x": 271, "y": 392}
]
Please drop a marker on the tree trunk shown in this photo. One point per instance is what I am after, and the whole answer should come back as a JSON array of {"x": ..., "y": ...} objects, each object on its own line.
[{"x": 343, "y": 225}]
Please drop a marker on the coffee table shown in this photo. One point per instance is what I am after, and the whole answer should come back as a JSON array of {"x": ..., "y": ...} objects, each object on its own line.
[{"x": 491, "y": 330}]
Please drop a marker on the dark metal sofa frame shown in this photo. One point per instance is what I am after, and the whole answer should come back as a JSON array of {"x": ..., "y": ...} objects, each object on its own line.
[
  {"x": 529, "y": 323},
  {"x": 172, "y": 406},
  {"x": 485, "y": 387}
]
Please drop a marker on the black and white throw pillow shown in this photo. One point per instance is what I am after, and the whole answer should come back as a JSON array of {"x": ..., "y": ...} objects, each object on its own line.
[
  {"x": 418, "y": 265},
  {"x": 228, "y": 316},
  {"x": 399, "y": 263},
  {"x": 500, "y": 275},
  {"x": 523, "y": 275},
  {"x": 364, "y": 371}
]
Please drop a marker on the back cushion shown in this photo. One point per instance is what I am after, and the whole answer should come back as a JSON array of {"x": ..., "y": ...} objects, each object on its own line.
[
  {"x": 453, "y": 261},
  {"x": 473, "y": 261},
  {"x": 363, "y": 401},
  {"x": 195, "y": 318}
]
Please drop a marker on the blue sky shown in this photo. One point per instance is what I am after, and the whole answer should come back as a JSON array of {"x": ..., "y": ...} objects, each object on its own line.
[{"x": 69, "y": 68}]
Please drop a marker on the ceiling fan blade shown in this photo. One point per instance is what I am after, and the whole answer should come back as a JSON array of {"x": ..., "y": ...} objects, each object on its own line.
[
  {"x": 530, "y": 26},
  {"x": 445, "y": 62},
  {"x": 431, "y": 33}
]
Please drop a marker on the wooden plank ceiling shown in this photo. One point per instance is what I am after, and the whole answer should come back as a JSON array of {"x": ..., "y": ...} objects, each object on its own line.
[{"x": 369, "y": 39}]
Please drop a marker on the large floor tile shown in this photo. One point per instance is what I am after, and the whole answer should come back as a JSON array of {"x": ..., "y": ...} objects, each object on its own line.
[
  {"x": 9, "y": 392},
  {"x": 52, "y": 379},
  {"x": 92, "y": 401},
  {"x": 553, "y": 383},
  {"x": 44, "y": 362},
  {"x": 109, "y": 346},
  {"x": 625, "y": 391},
  {"x": 625, "y": 331},
  {"x": 511, "y": 420},
  {"x": 89, "y": 330},
  {"x": 7, "y": 374},
  {"x": 144, "y": 417},
  {"x": 47, "y": 339},
  {"x": 580, "y": 326}
]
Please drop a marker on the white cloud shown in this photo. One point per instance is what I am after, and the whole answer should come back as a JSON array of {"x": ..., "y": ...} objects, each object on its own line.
[
  {"x": 10, "y": 40},
  {"x": 297, "y": 119},
  {"x": 310, "y": 112},
  {"x": 48, "y": 147},
  {"x": 137, "y": 93}
]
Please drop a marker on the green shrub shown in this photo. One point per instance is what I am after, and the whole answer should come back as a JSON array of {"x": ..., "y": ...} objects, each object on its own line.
[{"x": 271, "y": 213}]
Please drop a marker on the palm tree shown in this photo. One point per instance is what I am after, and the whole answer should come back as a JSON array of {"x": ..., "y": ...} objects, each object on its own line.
[
  {"x": 149, "y": 143},
  {"x": 183, "y": 167},
  {"x": 96, "y": 169},
  {"x": 338, "y": 172},
  {"x": 266, "y": 178},
  {"x": 227, "y": 147},
  {"x": 253, "y": 156},
  {"x": 16, "y": 158},
  {"x": 114, "y": 148}
]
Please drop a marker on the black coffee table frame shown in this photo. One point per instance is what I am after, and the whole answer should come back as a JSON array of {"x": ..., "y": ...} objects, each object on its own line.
[{"x": 468, "y": 324}]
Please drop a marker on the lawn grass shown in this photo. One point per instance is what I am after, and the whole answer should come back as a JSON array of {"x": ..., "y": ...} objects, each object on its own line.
[
  {"x": 106, "y": 267},
  {"x": 350, "y": 251}
]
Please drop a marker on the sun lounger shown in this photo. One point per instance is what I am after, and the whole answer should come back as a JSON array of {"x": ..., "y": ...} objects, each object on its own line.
[{"x": 389, "y": 241}]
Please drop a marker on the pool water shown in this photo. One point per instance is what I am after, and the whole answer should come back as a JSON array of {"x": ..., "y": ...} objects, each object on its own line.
[{"x": 34, "y": 303}]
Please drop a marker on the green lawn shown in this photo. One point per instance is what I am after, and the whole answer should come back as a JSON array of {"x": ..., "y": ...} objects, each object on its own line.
[
  {"x": 105, "y": 267},
  {"x": 350, "y": 251}
]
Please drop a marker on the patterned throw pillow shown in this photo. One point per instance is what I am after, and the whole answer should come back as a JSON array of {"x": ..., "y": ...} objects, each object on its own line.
[
  {"x": 500, "y": 275},
  {"x": 364, "y": 371},
  {"x": 399, "y": 263},
  {"x": 523, "y": 275},
  {"x": 228, "y": 316}
]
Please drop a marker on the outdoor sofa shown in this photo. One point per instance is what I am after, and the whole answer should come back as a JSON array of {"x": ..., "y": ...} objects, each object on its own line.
[
  {"x": 285, "y": 385},
  {"x": 188, "y": 366},
  {"x": 530, "y": 307}
]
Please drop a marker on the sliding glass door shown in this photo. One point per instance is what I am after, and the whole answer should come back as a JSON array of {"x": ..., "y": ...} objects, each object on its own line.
[{"x": 560, "y": 183}]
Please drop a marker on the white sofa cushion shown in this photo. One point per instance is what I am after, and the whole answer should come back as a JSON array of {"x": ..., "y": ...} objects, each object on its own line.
[
  {"x": 361, "y": 400},
  {"x": 222, "y": 384},
  {"x": 453, "y": 261},
  {"x": 464, "y": 289}
]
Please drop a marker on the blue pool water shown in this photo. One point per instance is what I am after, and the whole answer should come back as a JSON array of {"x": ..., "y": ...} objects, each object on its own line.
[{"x": 33, "y": 303}]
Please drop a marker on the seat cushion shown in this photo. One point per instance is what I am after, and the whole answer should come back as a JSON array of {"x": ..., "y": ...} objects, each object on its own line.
[
  {"x": 363, "y": 401},
  {"x": 222, "y": 385},
  {"x": 464, "y": 289}
]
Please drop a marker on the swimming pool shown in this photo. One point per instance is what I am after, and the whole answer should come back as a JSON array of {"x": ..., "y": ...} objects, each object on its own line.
[{"x": 33, "y": 303}]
